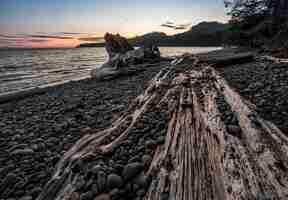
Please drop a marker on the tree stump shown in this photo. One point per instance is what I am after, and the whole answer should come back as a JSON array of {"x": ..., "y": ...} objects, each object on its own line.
[
  {"x": 116, "y": 44},
  {"x": 122, "y": 57}
]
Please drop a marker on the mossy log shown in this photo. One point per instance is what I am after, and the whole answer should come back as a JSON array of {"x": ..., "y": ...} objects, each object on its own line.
[{"x": 202, "y": 156}]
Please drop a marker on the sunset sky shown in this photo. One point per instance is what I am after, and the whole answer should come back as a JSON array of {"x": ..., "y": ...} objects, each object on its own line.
[{"x": 60, "y": 23}]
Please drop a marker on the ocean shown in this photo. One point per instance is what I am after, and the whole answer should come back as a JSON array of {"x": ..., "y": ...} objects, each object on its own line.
[{"x": 31, "y": 68}]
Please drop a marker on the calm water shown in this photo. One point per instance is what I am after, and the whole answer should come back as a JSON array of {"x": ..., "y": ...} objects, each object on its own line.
[{"x": 25, "y": 69}]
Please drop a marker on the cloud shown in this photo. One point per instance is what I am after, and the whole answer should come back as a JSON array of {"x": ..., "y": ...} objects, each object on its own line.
[
  {"x": 28, "y": 39},
  {"x": 51, "y": 37},
  {"x": 37, "y": 40},
  {"x": 91, "y": 39},
  {"x": 175, "y": 26},
  {"x": 17, "y": 36},
  {"x": 168, "y": 25},
  {"x": 10, "y": 36},
  {"x": 71, "y": 33}
]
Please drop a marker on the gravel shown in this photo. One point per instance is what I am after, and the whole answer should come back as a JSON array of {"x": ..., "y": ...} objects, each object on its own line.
[
  {"x": 36, "y": 131},
  {"x": 265, "y": 84}
]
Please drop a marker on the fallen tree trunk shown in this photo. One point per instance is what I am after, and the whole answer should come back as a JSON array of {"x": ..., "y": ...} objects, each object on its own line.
[
  {"x": 229, "y": 59},
  {"x": 174, "y": 143}
]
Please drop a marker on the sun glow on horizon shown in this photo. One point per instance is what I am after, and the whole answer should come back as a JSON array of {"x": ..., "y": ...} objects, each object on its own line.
[{"x": 126, "y": 17}]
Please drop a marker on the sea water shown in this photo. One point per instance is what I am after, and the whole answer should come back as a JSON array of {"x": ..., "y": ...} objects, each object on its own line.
[{"x": 29, "y": 68}]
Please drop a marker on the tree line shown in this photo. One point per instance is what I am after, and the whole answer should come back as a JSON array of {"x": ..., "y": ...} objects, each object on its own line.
[{"x": 257, "y": 21}]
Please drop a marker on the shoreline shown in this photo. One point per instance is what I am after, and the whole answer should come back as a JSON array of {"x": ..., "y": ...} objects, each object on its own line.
[
  {"x": 40, "y": 128},
  {"x": 17, "y": 95},
  {"x": 11, "y": 96},
  {"x": 36, "y": 131},
  {"x": 22, "y": 94}
]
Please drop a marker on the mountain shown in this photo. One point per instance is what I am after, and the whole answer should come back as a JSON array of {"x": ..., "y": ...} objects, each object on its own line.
[
  {"x": 149, "y": 38},
  {"x": 202, "y": 34}
]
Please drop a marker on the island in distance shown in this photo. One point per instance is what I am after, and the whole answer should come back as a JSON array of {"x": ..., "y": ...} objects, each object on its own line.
[{"x": 202, "y": 34}]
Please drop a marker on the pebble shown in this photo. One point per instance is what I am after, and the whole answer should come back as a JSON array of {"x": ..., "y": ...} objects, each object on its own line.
[
  {"x": 161, "y": 140},
  {"x": 131, "y": 170},
  {"x": 101, "y": 181},
  {"x": 146, "y": 159},
  {"x": 150, "y": 143},
  {"x": 96, "y": 169},
  {"x": 26, "y": 198},
  {"x": 22, "y": 152},
  {"x": 86, "y": 196},
  {"x": 102, "y": 197},
  {"x": 141, "y": 192},
  {"x": 164, "y": 196},
  {"x": 141, "y": 180},
  {"x": 80, "y": 183},
  {"x": 35, "y": 192},
  {"x": 234, "y": 130},
  {"x": 45, "y": 132},
  {"x": 10, "y": 179},
  {"x": 114, "y": 193},
  {"x": 114, "y": 181}
]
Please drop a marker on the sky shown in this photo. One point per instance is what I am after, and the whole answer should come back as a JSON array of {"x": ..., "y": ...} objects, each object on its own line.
[{"x": 66, "y": 23}]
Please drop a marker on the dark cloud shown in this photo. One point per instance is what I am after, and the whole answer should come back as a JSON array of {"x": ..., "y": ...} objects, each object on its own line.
[
  {"x": 37, "y": 40},
  {"x": 91, "y": 39},
  {"x": 168, "y": 25},
  {"x": 21, "y": 36},
  {"x": 174, "y": 26},
  {"x": 51, "y": 37},
  {"x": 10, "y": 36},
  {"x": 71, "y": 33},
  {"x": 169, "y": 22},
  {"x": 6, "y": 41},
  {"x": 41, "y": 37}
]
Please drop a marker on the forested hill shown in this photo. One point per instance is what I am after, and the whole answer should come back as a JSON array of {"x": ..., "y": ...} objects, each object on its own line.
[{"x": 202, "y": 34}]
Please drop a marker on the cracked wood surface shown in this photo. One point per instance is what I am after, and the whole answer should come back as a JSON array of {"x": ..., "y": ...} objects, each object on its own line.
[{"x": 200, "y": 159}]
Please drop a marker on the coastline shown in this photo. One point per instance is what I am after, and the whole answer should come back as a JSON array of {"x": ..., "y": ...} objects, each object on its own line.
[
  {"x": 41, "y": 127},
  {"x": 37, "y": 130},
  {"x": 10, "y": 96}
]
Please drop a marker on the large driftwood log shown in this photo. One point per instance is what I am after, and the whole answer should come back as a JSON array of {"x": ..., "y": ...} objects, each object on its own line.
[
  {"x": 203, "y": 156},
  {"x": 122, "y": 57},
  {"x": 116, "y": 44},
  {"x": 220, "y": 60}
]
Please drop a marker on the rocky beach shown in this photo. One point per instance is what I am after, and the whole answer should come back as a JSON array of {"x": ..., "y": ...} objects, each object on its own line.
[{"x": 38, "y": 130}]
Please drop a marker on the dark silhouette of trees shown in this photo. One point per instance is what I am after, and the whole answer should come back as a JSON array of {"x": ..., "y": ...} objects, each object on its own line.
[
  {"x": 258, "y": 22},
  {"x": 248, "y": 13}
]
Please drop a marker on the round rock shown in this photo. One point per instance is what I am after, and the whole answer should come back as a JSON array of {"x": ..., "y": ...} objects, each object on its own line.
[
  {"x": 114, "y": 181},
  {"x": 87, "y": 195},
  {"x": 131, "y": 170},
  {"x": 26, "y": 198},
  {"x": 141, "y": 180},
  {"x": 22, "y": 152},
  {"x": 103, "y": 197},
  {"x": 146, "y": 159},
  {"x": 234, "y": 130}
]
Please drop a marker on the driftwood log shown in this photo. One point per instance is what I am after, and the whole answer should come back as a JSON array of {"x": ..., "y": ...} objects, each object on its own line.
[
  {"x": 202, "y": 157},
  {"x": 220, "y": 60},
  {"x": 123, "y": 57},
  {"x": 274, "y": 59}
]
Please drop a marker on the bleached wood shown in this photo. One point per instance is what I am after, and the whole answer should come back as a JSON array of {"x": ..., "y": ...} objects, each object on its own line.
[{"x": 199, "y": 160}]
